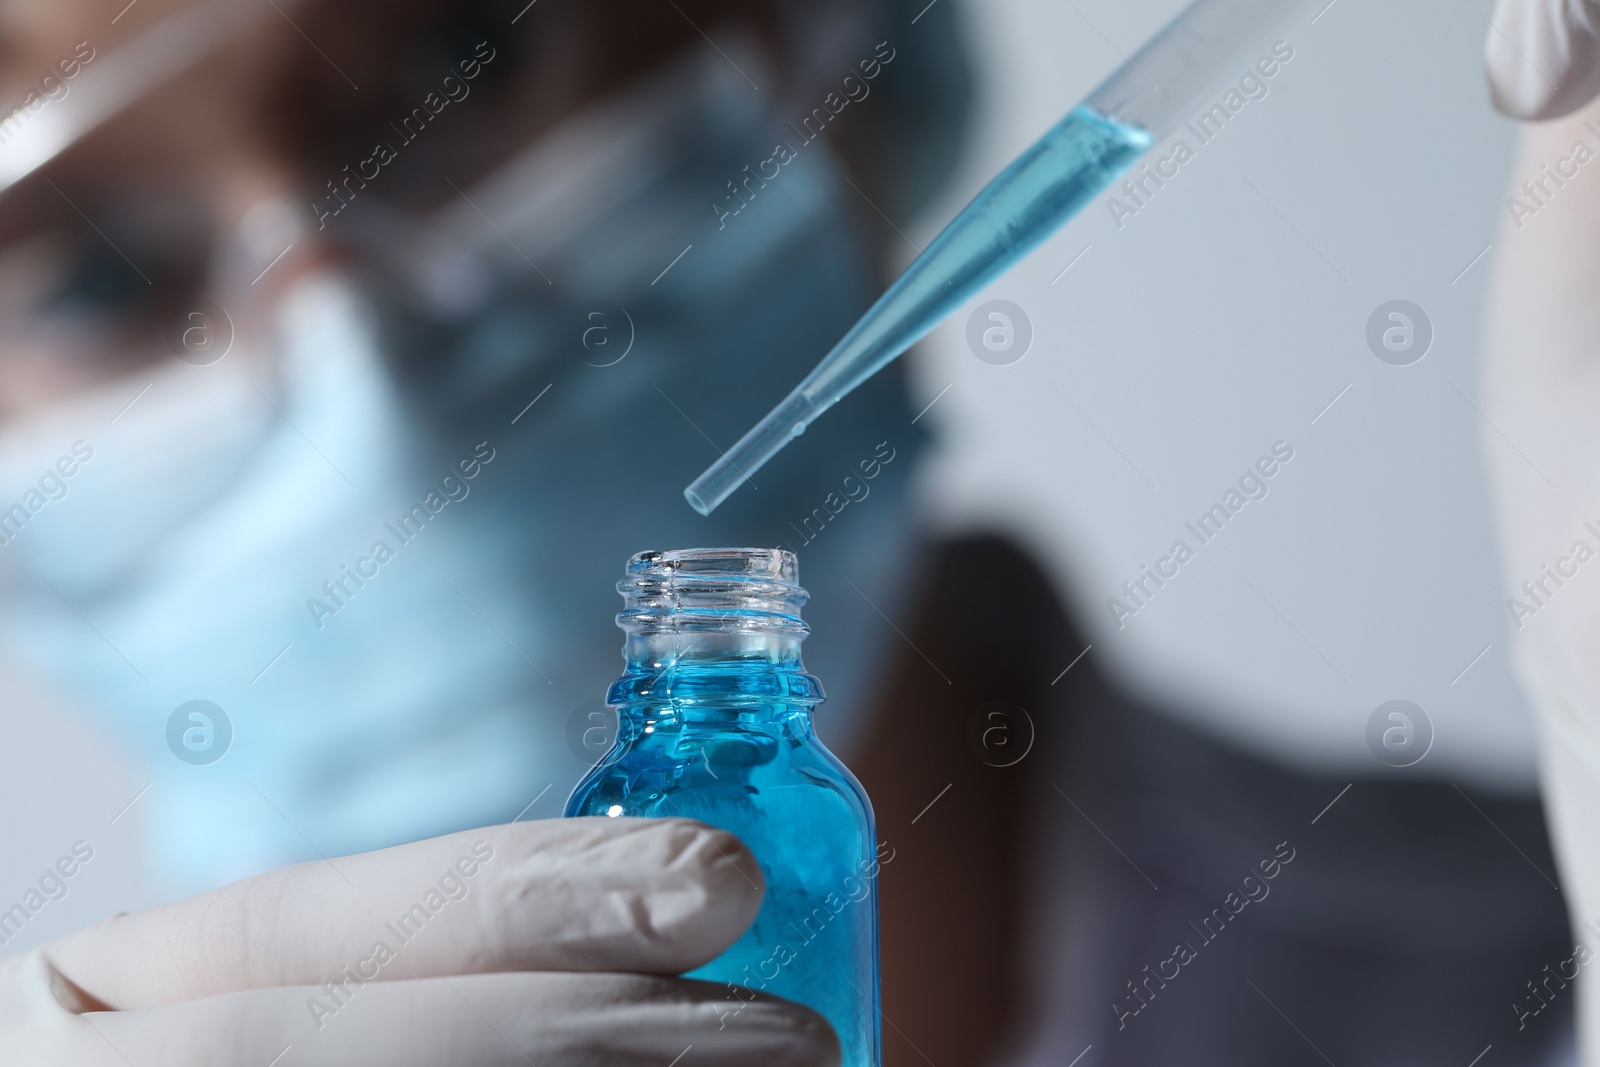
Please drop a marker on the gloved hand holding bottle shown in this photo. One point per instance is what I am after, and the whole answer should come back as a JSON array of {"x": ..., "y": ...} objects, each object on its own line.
[
  {"x": 1541, "y": 394},
  {"x": 543, "y": 942},
  {"x": 714, "y": 716}
]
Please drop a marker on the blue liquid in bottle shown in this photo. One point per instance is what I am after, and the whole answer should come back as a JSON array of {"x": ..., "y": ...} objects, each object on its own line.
[{"x": 714, "y": 710}]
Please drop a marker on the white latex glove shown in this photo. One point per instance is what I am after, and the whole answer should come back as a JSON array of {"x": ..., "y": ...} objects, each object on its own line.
[
  {"x": 511, "y": 964},
  {"x": 1541, "y": 393},
  {"x": 1544, "y": 56}
]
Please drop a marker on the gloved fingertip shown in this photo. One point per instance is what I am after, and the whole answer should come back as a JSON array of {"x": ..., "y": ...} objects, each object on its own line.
[
  {"x": 778, "y": 1033},
  {"x": 715, "y": 854},
  {"x": 667, "y": 894},
  {"x": 727, "y": 855},
  {"x": 721, "y": 864},
  {"x": 1542, "y": 58},
  {"x": 1521, "y": 94}
]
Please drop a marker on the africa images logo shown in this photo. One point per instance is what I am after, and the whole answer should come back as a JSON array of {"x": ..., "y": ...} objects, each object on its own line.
[{"x": 199, "y": 733}]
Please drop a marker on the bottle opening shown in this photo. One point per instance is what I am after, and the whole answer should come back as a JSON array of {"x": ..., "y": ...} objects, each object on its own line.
[{"x": 714, "y": 590}]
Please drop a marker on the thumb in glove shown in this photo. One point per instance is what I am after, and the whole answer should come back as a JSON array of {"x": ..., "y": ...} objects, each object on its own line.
[{"x": 1543, "y": 57}]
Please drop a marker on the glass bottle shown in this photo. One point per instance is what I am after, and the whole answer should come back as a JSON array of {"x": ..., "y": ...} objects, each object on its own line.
[{"x": 714, "y": 723}]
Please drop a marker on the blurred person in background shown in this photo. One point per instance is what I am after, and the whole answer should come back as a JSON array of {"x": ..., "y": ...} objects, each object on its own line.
[{"x": 413, "y": 276}]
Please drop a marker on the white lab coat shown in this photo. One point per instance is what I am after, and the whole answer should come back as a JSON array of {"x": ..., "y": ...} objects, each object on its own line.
[{"x": 1541, "y": 385}]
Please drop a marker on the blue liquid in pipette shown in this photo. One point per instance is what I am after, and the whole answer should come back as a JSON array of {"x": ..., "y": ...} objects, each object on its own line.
[
  {"x": 1018, "y": 209},
  {"x": 1024, "y": 204}
]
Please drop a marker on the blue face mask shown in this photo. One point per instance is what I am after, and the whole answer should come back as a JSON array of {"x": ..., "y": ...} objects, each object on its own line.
[{"x": 387, "y": 552}]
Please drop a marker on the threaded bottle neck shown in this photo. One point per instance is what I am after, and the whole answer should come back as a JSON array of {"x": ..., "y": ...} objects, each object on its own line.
[{"x": 713, "y": 628}]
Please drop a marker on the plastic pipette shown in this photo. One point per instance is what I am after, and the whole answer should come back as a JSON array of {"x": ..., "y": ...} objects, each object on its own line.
[{"x": 1141, "y": 102}]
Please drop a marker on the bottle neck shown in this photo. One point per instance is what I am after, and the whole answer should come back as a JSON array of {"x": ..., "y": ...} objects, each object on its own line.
[
  {"x": 735, "y": 652},
  {"x": 713, "y": 637}
]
